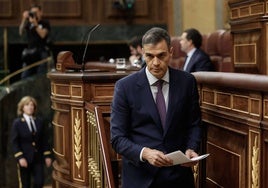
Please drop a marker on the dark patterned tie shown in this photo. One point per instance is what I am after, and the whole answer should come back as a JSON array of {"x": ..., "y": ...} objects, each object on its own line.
[{"x": 160, "y": 102}]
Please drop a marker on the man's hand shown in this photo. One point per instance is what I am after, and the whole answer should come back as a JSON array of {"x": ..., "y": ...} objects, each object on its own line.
[
  {"x": 25, "y": 14},
  {"x": 190, "y": 154},
  {"x": 156, "y": 158}
]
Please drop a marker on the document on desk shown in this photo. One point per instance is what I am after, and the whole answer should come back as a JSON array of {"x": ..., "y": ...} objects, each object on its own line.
[{"x": 179, "y": 158}]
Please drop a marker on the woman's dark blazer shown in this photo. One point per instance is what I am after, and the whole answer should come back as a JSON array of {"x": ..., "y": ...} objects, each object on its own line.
[{"x": 25, "y": 144}]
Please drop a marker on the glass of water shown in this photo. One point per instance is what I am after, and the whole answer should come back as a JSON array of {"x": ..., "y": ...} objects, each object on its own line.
[{"x": 120, "y": 63}]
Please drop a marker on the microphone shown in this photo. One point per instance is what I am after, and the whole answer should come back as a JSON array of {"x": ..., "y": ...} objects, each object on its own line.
[{"x": 88, "y": 37}]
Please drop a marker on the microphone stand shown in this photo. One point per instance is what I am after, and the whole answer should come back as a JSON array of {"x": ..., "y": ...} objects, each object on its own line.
[{"x": 88, "y": 37}]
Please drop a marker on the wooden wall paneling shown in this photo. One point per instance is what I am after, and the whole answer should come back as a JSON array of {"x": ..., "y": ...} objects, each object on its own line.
[
  {"x": 249, "y": 27},
  {"x": 62, "y": 8},
  {"x": 96, "y": 11},
  {"x": 141, "y": 9},
  {"x": 144, "y": 12},
  {"x": 264, "y": 142},
  {"x": 233, "y": 119},
  {"x": 5, "y": 9},
  {"x": 247, "y": 51},
  {"x": 10, "y": 12}
]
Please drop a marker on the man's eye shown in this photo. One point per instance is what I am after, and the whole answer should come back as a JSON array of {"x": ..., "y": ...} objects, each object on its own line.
[
  {"x": 161, "y": 56},
  {"x": 149, "y": 56}
]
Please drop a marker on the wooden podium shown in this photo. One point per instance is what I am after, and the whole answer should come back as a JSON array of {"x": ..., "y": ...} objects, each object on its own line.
[{"x": 71, "y": 89}]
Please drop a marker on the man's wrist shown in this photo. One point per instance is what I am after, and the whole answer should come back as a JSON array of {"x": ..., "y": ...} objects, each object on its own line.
[{"x": 141, "y": 159}]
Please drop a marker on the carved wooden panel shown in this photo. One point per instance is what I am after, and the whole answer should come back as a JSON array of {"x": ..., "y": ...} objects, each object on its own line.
[
  {"x": 79, "y": 152},
  {"x": 248, "y": 10},
  {"x": 141, "y": 8},
  {"x": 246, "y": 50},
  {"x": 5, "y": 8},
  {"x": 249, "y": 27},
  {"x": 62, "y": 8},
  {"x": 233, "y": 101},
  {"x": 102, "y": 92},
  {"x": 86, "y": 12}
]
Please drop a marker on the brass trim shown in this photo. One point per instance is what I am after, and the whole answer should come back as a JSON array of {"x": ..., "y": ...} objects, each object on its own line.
[{"x": 18, "y": 154}]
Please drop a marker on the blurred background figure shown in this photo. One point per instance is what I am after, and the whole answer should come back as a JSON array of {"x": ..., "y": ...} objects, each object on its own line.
[
  {"x": 196, "y": 59},
  {"x": 135, "y": 47},
  {"x": 30, "y": 144},
  {"x": 37, "y": 31}
]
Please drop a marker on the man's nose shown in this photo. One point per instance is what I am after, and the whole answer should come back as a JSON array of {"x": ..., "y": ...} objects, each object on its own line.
[{"x": 156, "y": 60}]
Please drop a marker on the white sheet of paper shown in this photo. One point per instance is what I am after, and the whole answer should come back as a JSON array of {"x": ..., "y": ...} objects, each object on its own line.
[{"x": 179, "y": 158}]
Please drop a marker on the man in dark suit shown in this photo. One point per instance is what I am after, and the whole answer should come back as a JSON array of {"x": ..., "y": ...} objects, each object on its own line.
[
  {"x": 135, "y": 47},
  {"x": 196, "y": 59},
  {"x": 138, "y": 131}
]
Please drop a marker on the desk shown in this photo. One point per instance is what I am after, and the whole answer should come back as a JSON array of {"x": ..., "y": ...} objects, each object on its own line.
[{"x": 71, "y": 88}]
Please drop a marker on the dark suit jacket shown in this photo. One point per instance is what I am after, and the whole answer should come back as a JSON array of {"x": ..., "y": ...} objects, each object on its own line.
[
  {"x": 135, "y": 123},
  {"x": 22, "y": 141},
  {"x": 199, "y": 61}
]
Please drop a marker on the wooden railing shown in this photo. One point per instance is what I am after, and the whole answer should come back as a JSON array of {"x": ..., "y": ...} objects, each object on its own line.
[
  {"x": 235, "y": 114},
  {"x": 100, "y": 167}
]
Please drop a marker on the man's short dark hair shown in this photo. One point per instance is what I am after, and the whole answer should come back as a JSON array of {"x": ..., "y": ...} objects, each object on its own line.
[
  {"x": 135, "y": 41},
  {"x": 195, "y": 36},
  {"x": 36, "y": 6},
  {"x": 156, "y": 35}
]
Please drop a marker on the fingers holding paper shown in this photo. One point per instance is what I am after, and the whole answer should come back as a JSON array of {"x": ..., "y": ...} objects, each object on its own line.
[
  {"x": 190, "y": 154},
  {"x": 156, "y": 158}
]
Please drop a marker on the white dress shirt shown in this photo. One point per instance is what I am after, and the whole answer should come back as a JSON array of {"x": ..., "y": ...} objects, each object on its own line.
[
  {"x": 28, "y": 120},
  {"x": 165, "y": 90},
  {"x": 189, "y": 55}
]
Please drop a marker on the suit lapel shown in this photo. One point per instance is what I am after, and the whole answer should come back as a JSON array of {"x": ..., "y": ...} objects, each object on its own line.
[
  {"x": 172, "y": 99},
  {"x": 24, "y": 124},
  {"x": 147, "y": 100},
  {"x": 192, "y": 60}
]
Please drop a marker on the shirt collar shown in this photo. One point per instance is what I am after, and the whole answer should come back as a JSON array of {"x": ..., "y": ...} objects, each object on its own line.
[
  {"x": 191, "y": 52},
  {"x": 27, "y": 117},
  {"x": 152, "y": 79}
]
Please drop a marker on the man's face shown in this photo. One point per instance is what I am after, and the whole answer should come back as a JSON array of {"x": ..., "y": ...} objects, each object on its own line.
[
  {"x": 37, "y": 12},
  {"x": 185, "y": 44},
  {"x": 133, "y": 51},
  {"x": 157, "y": 58}
]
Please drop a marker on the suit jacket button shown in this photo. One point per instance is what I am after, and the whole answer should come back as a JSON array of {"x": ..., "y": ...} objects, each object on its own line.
[{"x": 33, "y": 143}]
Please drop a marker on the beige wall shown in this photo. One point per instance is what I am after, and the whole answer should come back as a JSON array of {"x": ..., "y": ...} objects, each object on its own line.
[
  {"x": 199, "y": 14},
  {"x": 204, "y": 15}
]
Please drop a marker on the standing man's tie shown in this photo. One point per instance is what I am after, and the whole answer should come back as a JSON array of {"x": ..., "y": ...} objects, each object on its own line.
[{"x": 160, "y": 102}]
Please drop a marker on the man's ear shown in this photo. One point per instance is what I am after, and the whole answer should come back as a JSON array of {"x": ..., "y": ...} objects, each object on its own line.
[
  {"x": 142, "y": 49},
  {"x": 171, "y": 49}
]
